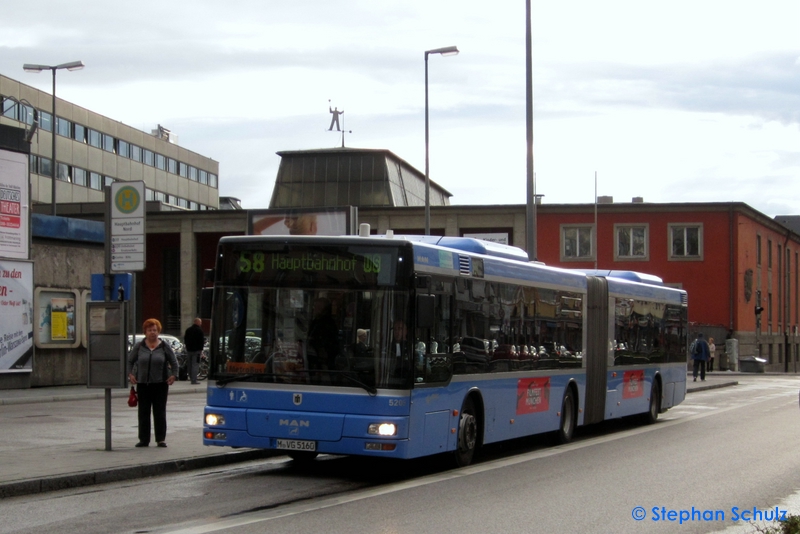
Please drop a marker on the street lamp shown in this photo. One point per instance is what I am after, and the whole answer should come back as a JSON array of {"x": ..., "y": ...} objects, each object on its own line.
[
  {"x": 446, "y": 51},
  {"x": 72, "y": 65}
]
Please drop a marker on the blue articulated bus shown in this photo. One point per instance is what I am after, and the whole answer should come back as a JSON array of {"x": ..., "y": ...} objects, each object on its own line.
[{"x": 402, "y": 347}]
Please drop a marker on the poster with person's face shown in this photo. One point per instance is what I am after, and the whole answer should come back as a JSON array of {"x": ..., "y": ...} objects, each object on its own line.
[
  {"x": 277, "y": 222},
  {"x": 14, "y": 205}
]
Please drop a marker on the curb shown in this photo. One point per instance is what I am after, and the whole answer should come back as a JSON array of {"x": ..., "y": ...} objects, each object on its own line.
[
  {"x": 119, "y": 474},
  {"x": 705, "y": 387}
]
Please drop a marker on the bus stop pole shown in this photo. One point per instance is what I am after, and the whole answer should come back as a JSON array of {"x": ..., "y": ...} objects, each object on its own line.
[{"x": 107, "y": 297}]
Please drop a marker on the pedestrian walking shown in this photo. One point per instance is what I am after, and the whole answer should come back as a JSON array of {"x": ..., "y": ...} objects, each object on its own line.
[
  {"x": 712, "y": 349},
  {"x": 193, "y": 340},
  {"x": 152, "y": 367},
  {"x": 699, "y": 352}
]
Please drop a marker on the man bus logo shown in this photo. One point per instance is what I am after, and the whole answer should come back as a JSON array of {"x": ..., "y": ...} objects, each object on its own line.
[
  {"x": 127, "y": 199},
  {"x": 295, "y": 423},
  {"x": 297, "y": 399}
]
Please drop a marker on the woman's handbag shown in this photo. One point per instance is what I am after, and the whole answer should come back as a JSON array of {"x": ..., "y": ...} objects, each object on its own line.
[{"x": 133, "y": 399}]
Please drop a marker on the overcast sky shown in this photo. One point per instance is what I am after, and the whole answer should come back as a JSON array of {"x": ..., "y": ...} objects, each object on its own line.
[{"x": 680, "y": 101}]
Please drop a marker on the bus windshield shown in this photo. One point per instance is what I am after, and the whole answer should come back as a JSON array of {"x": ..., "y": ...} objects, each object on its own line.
[{"x": 311, "y": 315}]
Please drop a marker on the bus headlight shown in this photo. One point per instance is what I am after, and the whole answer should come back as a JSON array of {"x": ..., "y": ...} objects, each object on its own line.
[
  {"x": 213, "y": 419},
  {"x": 382, "y": 429}
]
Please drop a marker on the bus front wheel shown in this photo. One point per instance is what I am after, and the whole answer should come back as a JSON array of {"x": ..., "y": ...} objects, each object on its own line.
[{"x": 467, "y": 434}]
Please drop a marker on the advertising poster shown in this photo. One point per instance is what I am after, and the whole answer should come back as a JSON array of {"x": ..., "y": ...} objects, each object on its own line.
[
  {"x": 632, "y": 384},
  {"x": 62, "y": 319},
  {"x": 16, "y": 316},
  {"x": 294, "y": 222},
  {"x": 13, "y": 205},
  {"x": 56, "y": 316},
  {"x": 533, "y": 395}
]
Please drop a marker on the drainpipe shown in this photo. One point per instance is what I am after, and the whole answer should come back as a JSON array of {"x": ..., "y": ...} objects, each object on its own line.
[{"x": 786, "y": 352}]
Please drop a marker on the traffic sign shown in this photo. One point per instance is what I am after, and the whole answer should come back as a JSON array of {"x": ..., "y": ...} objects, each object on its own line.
[{"x": 125, "y": 245}]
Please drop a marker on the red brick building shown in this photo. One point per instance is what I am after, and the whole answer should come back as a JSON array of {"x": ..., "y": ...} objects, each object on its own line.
[{"x": 729, "y": 257}]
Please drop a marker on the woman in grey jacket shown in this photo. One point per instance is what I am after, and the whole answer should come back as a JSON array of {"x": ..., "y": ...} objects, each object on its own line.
[{"x": 151, "y": 367}]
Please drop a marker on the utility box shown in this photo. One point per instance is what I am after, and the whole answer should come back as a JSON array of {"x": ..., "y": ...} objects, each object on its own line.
[
  {"x": 107, "y": 355},
  {"x": 752, "y": 364},
  {"x": 732, "y": 351}
]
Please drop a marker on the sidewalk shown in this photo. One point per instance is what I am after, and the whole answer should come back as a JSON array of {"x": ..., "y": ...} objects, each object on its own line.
[{"x": 54, "y": 438}]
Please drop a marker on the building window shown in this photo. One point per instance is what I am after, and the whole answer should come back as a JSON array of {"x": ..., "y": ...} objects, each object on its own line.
[
  {"x": 108, "y": 143},
  {"x": 769, "y": 307},
  {"x": 212, "y": 180},
  {"x": 149, "y": 194},
  {"x": 10, "y": 109},
  {"x": 79, "y": 133},
  {"x": 576, "y": 242},
  {"x": 107, "y": 180},
  {"x": 203, "y": 176},
  {"x": 122, "y": 148},
  {"x": 45, "y": 167},
  {"x": 758, "y": 250},
  {"x": 63, "y": 172},
  {"x": 192, "y": 173},
  {"x": 161, "y": 197},
  {"x": 631, "y": 242},
  {"x": 686, "y": 241},
  {"x": 95, "y": 181},
  {"x": 192, "y": 205},
  {"x": 95, "y": 139},
  {"x": 26, "y": 114},
  {"x": 147, "y": 157},
  {"x": 182, "y": 170},
  {"x": 45, "y": 121},
  {"x": 78, "y": 176},
  {"x": 63, "y": 127},
  {"x": 161, "y": 162},
  {"x": 136, "y": 153},
  {"x": 769, "y": 253},
  {"x": 172, "y": 166}
]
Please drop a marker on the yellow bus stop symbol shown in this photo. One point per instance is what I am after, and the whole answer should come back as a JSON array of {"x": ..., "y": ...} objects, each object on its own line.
[{"x": 127, "y": 199}]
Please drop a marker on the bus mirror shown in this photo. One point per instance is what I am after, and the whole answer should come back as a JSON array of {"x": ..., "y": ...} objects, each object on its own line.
[
  {"x": 425, "y": 310},
  {"x": 206, "y": 295}
]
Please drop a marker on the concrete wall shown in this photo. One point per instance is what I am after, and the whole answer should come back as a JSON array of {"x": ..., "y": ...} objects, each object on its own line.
[{"x": 61, "y": 267}]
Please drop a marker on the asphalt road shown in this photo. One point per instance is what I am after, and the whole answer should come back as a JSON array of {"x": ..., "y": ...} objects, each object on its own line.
[{"x": 722, "y": 451}]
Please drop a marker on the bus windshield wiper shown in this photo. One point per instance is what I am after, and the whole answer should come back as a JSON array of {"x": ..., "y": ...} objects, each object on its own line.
[
  {"x": 369, "y": 389},
  {"x": 227, "y": 380}
]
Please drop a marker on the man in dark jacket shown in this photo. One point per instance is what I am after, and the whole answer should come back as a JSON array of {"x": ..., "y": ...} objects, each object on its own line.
[
  {"x": 193, "y": 340},
  {"x": 700, "y": 352}
]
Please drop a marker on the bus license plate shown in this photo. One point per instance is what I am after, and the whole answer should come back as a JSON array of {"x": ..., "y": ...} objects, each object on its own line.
[{"x": 296, "y": 445}]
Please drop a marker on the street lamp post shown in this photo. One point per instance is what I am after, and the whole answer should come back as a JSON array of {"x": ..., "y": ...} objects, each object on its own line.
[
  {"x": 72, "y": 65},
  {"x": 446, "y": 51}
]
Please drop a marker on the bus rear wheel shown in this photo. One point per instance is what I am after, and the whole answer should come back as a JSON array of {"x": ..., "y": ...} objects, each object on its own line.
[
  {"x": 651, "y": 415},
  {"x": 566, "y": 427},
  {"x": 467, "y": 434}
]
